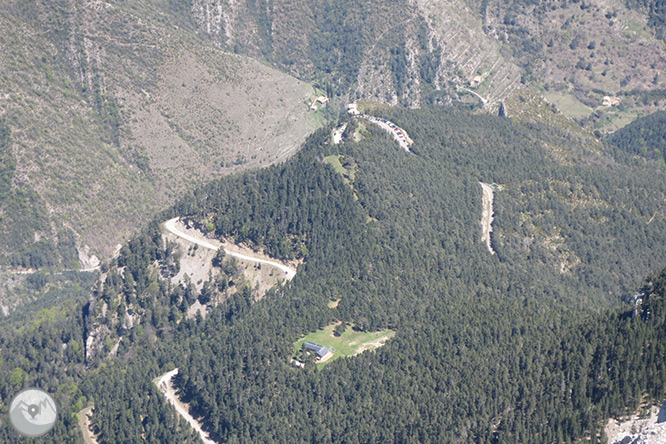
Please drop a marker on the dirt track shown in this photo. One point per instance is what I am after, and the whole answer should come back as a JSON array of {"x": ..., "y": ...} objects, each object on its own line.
[
  {"x": 487, "y": 215},
  {"x": 171, "y": 227},
  {"x": 372, "y": 345},
  {"x": 84, "y": 423},
  {"x": 165, "y": 385}
]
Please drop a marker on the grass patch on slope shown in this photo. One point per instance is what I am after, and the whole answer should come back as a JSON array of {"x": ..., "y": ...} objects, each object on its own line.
[
  {"x": 343, "y": 166},
  {"x": 568, "y": 104}
]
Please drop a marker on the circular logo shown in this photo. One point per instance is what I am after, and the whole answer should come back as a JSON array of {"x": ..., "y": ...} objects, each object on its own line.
[{"x": 33, "y": 412}]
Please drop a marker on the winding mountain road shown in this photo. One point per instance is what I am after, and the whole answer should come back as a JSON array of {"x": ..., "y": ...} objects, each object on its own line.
[
  {"x": 164, "y": 382},
  {"x": 170, "y": 225},
  {"x": 484, "y": 101}
]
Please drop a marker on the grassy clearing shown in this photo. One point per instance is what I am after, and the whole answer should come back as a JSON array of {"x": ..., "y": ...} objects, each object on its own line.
[
  {"x": 349, "y": 174},
  {"x": 361, "y": 131},
  {"x": 350, "y": 343},
  {"x": 568, "y": 104},
  {"x": 614, "y": 119},
  {"x": 334, "y": 161}
]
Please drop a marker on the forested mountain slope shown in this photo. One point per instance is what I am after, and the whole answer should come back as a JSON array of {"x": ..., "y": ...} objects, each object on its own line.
[
  {"x": 471, "y": 359},
  {"x": 131, "y": 104},
  {"x": 644, "y": 137},
  {"x": 112, "y": 111},
  {"x": 506, "y": 348}
]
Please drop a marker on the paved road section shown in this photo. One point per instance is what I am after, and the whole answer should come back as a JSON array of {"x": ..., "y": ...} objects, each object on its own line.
[{"x": 399, "y": 134}]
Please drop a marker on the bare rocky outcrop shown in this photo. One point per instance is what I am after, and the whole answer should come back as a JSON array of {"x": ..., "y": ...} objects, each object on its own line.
[
  {"x": 88, "y": 261},
  {"x": 95, "y": 340},
  {"x": 650, "y": 429}
]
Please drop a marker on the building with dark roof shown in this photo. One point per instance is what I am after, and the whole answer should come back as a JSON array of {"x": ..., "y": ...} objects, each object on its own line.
[{"x": 318, "y": 350}]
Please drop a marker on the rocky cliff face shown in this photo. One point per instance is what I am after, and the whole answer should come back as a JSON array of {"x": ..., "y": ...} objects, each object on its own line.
[{"x": 390, "y": 52}]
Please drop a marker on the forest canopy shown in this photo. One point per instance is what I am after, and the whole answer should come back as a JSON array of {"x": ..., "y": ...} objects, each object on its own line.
[{"x": 645, "y": 137}]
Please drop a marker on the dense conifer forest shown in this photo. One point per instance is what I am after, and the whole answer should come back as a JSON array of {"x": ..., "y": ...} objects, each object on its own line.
[
  {"x": 645, "y": 137},
  {"x": 541, "y": 342}
]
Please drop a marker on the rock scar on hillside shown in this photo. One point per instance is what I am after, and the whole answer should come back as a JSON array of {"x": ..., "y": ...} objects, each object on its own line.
[
  {"x": 641, "y": 430},
  {"x": 487, "y": 215},
  {"x": 338, "y": 132}
]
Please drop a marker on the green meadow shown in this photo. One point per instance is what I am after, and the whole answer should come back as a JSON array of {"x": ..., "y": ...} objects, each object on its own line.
[{"x": 349, "y": 343}]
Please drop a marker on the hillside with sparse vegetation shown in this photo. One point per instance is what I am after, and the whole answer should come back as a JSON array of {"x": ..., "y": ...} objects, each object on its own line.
[
  {"x": 120, "y": 108},
  {"x": 110, "y": 110},
  {"x": 435, "y": 51}
]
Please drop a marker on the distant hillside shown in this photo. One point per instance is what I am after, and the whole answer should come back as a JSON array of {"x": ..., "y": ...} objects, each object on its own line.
[
  {"x": 111, "y": 109},
  {"x": 656, "y": 11},
  {"x": 580, "y": 51},
  {"x": 389, "y": 52},
  {"x": 441, "y": 50}
]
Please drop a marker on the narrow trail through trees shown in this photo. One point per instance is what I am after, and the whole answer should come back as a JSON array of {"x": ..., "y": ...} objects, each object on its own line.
[{"x": 85, "y": 416}]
